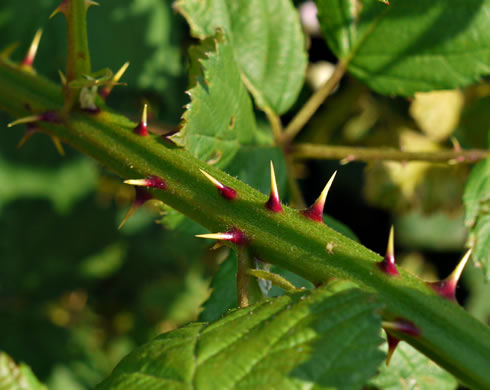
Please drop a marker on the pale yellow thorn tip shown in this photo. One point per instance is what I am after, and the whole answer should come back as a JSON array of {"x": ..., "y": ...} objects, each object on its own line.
[
  {"x": 58, "y": 145},
  {"x": 26, "y": 119},
  {"x": 136, "y": 182},
  {"x": 31, "y": 53},
  {"x": 323, "y": 196},
  {"x": 128, "y": 215},
  {"x": 215, "y": 236},
  {"x": 90, "y": 2},
  {"x": 58, "y": 9},
  {"x": 120, "y": 72},
  {"x": 390, "y": 249},
  {"x": 144, "y": 115},
  {"x": 456, "y": 274},
  {"x": 211, "y": 178},
  {"x": 456, "y": 144},
  {"x": 24, "y": 139},
  {"x": 62, "y": 77},
  {"x": 274, "y": 189}
]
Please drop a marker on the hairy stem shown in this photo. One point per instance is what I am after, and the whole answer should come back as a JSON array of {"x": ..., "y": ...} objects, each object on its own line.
[
  {"x": 242, "y": 278},
  {"x": 78, "y": 56},
  {"x": 325, "y": 152},
  {"x": 448, "y": 335}
]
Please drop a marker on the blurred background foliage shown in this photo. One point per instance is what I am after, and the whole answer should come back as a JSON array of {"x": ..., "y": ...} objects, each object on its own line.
[{"x": 77, "y": 294}]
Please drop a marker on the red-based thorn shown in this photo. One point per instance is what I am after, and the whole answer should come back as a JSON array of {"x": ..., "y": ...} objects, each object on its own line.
[
  {"x": 388, "y": 264},
  {"x": 60, "y": 9},
  {"x": 31, "y": 130},
  {"x": 401, "y": 325},
  {"x": 31, "y": 53},
  {"x": 392, "y": 344},
  {"x": 226, "y": 192},
  {"x": 48, "y": 116},
  {"x": 274, "y": 203},
  {"x": 142, "y": 128},
  {"x": 447, "y": 288},
  {"x": 90, "y": 3},
  {"x": 141, "y": 196},
  {"x": 315, "y": 211},
  {"x": 106, "y": 90},
  {"x": 234, "y": 235},
  {"x": 149, "y": 181}
]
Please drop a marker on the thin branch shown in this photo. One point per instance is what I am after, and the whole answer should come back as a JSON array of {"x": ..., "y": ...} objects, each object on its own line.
[
  {"x": 277, "y": 131},
  {"x": 275, "y": 123},
  {"x": 243, "y": 278},
  {"x": 315, "y": 101},
  {"x": 297, "y": 199},
  {"x": 347, "y": 154}
]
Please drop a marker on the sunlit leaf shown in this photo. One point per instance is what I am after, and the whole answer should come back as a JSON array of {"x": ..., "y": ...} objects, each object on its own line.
[
  {"x": 267, "y": 40},
  {"x": 219, "y": 118},
  {"x": 316, "y": 338},
  {"x": 409, "y": 46},
  {"x": 477, "y": 208},
  {"x": 409, "y": 369},
  {"x": 17, "y": 377}
]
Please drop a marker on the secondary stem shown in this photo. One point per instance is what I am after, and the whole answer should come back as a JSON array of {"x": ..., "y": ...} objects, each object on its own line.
[
  {"x": 325, "y": 152},
  {"x": 78, "y": 56},
  {"x": 277, "y": 130},
  {"x": 242, "y": 278},
  {"x": 315, "y": 101}
]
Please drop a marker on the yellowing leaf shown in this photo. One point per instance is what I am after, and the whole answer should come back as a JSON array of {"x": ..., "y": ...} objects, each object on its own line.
[{"x": 437, "y": 113}]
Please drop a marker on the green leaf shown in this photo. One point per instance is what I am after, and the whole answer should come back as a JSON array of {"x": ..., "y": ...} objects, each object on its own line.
[
  {"x": 340, "y": 227},
  {"x": 251, "y": 165},
  {"x": 409, "y": 369},
  {"x": 438, "y": 231},
  {"x": 63, "y": 186},
  {"x": 477, "y": 303},
  {"x": 477, "y": 192},
  {"x": 480, "y": 240},
  {"x": 476, "y": 200},
  {"x": 267, "y": 41},
  {"x": 223, "y": 296},
  {"x": 305, "y": 339},
  {"x": 219, "y": 118},
  {"x": 17, "y": 377},
  {"x": 409, "y": 46}
]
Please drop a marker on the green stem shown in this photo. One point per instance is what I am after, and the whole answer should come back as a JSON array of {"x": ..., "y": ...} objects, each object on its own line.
[
  {"x": 325, "y": 152},
  {"x": 315, "y": 101},
  {"x": 78, "y": 56},
  {"x": 448, "y": 335},
  {"x": 276, "y": 279},
  {"x": 242, "y": 277}
]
